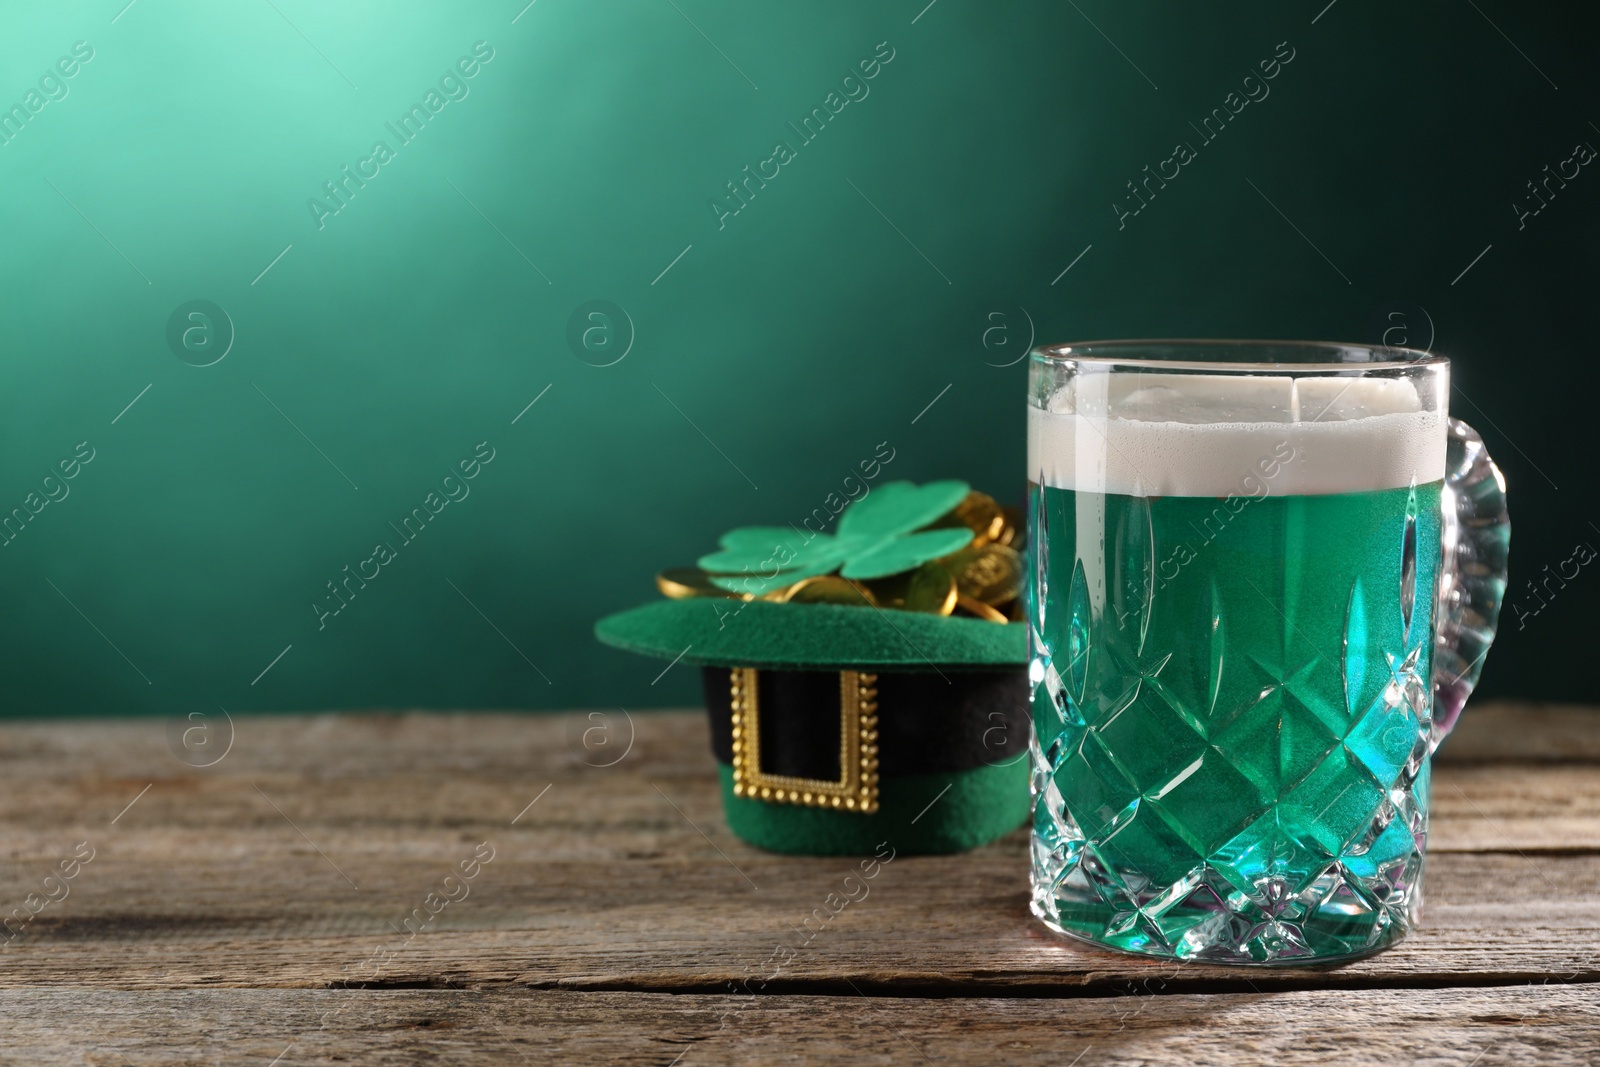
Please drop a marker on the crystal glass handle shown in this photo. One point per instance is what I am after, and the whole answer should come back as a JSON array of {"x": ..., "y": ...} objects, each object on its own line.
[{"x": 1476, "y": 533}]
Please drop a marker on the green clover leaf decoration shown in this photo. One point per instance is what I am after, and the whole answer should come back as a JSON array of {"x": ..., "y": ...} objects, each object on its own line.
[{"x": 879, "y": 535}]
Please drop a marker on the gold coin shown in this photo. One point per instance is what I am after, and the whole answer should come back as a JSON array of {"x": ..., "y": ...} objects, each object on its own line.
[
  {"x": 681, "y": 583},
  {"x": 931, "y": 589},
  {"x": 991, "y": 573},
  {"x": 889, "y": 592},
  {"x": 979, "y": 513},
  {"x": 828, "y": 589},
  {"x": 980, "y": 609},
  {"x": 1014, "y": 531}
]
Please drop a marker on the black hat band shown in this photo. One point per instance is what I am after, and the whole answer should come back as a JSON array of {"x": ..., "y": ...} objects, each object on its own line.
[{"x": 824, "y": 738}]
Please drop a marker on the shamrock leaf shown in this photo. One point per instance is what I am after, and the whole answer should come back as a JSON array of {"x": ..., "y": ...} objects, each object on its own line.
[
  {"x": 904, "y": 552},
  {"x": 761, "y": 549},
  {"x": 758, "y": 559},
  {"x": 876, "y": 538},
  {"x": 878, "y": 530},
  {"x": 896, "y": 508},
  {"x": 757, "y": 581},
  {"x": 759, "y": 538}
]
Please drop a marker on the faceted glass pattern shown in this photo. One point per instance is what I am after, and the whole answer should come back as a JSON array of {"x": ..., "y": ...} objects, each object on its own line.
[{"x": 1231, "y": 720}]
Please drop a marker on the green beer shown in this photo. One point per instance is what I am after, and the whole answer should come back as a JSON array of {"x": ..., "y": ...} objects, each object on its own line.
[{"x": 1232, "y": 617}]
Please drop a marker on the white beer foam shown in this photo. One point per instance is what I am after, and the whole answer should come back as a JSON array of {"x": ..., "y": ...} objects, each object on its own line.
[{"x": 1213, "y": 435}]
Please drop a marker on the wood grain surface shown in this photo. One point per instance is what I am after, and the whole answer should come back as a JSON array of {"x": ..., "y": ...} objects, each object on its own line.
[{"x": 257, "y": 909}]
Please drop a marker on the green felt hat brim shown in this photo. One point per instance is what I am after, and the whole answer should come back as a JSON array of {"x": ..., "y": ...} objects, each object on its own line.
[{"x": 717, "y": 632}]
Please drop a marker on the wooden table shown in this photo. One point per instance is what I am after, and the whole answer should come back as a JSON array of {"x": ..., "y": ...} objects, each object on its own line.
[{"x": 253, "y": 912}]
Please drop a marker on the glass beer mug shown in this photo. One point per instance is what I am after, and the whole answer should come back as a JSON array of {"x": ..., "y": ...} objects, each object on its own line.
[{"x": 1263, "y": 578}]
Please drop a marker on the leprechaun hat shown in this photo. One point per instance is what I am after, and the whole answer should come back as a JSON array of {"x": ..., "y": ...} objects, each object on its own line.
[{"x": 863, "y": 687}]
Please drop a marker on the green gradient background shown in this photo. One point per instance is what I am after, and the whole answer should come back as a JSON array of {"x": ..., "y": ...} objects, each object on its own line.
[{"x": 797, "y": 338}]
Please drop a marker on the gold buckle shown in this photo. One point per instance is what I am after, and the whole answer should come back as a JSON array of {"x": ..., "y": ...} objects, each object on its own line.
[{"x": 857, "y": 787}]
